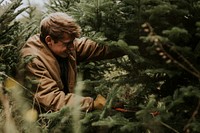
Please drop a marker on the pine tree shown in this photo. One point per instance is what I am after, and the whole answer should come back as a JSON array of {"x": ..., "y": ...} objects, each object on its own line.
[
  {"x": 155, "y": 88},
  {"x": 8, "y": 35},
  {"x": 16, "y": 117}
]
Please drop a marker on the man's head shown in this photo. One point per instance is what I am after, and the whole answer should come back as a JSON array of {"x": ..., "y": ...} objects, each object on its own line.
[
  {"x": 56, "y": 24},
  {"x": 59, "y": 30}
]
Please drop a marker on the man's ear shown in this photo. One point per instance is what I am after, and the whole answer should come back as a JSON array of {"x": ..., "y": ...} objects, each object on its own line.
[{"x": 48, "y": 40}]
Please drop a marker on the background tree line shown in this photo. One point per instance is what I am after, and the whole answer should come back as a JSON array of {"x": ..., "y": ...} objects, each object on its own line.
[{"x": 154, "y": 88}]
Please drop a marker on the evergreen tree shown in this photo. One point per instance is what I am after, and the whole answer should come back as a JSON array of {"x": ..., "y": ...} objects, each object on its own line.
[
  {"x": 8, "y": 36},
  {"x": 155, "y": 88},
  {"x": 15, "y": 116}
]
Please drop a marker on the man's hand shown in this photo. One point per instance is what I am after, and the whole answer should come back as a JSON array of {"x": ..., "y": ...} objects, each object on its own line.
[
  {"x": 99, "y": 102},
  {"x": 87, "y": 104}
]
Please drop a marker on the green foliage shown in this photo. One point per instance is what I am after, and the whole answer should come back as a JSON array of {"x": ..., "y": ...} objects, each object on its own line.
[
  {"x": 7, "y": 33},
  {"x": 58, "y": 121},
  {"x": 160, "y": 75},
  {"x": 60, "y": 5},
  {"x": 8, "y": 26},
  {"x": 12, "y": 35},
  {"x": 177, "y": 34},
  {"x": 154, "y": 88}
]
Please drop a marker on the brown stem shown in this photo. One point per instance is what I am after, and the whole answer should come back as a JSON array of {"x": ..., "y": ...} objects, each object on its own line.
[
  {"x": 192, "y": 69},
  {"x": 164, "y": 124}
]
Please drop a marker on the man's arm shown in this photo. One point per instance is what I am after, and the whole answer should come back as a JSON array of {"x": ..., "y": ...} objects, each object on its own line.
[
  {"x": 47, "y": 92},
  {"x": 88, "y": 50}
]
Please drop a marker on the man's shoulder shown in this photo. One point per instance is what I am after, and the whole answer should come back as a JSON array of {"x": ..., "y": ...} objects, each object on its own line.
[
  {"x": 34, "y": 46},
  {"x": 35, "y": 39}
]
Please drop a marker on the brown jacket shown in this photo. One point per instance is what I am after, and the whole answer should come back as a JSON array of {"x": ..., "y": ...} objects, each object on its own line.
[{"x": 45, "y": 68}]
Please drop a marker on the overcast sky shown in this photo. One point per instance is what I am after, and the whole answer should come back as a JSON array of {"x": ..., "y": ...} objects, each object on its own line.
[
  {"x": 36, "y": 3},
  {"x": 40, "y": 3}
]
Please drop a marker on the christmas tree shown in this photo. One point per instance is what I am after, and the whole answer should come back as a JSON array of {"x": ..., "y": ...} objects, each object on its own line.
[
  {"x": 154, "y": 88},
  {"x": 156, "y": 85}
]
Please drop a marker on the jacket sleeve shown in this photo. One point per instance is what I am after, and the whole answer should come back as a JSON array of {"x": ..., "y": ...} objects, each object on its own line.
[
  {"x": 48, "y": 94},
  {"x": 88, "y": 50}
]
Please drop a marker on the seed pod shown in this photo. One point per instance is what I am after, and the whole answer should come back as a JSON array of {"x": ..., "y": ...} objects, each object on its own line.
[
  {"x": 164, "y": 57},
  {"x": 158, "y": 49},
  {"x": 161, "y": 53},
  {"x": 146, "y": 30},
  {"x": 156, "y": 40},
  {"x": 168, "y": 61},
  {"x": 144, "y": 25}
]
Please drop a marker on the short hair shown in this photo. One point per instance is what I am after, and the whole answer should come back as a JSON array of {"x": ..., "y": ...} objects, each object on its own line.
[{"x": 58, "y": 23}]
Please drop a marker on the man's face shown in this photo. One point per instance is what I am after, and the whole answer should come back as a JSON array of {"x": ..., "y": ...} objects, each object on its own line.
[{"x": 61, "y": 47}]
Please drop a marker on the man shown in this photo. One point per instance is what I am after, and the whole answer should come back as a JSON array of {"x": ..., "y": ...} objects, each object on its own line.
[{"x": 57, "y": 50}]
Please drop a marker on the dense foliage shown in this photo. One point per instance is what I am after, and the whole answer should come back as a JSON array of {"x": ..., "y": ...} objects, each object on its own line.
[
  {"x": 154, "y": 88},
  {"x": 13, "y": 33}
]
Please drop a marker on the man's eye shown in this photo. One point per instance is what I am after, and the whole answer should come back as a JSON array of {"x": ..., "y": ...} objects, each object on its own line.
[{"x": 67, "y": 43}]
